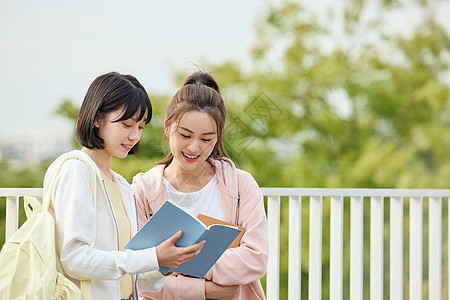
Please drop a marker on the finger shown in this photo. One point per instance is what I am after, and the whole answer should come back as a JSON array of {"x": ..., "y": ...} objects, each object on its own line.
[
  {"x": 199, "y": 248},
  {"x": 194, "y": 249},
  {"x": 188, "y": 255},
  {"x": 174, "y": 237},
  {"x": 199, "y": 245}
]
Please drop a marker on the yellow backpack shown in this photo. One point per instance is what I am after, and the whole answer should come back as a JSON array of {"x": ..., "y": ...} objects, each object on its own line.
[{"x": 28, "y": 258}]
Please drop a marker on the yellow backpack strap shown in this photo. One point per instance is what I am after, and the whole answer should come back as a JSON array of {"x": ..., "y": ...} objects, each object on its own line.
[
  {"x": 46, "y": 202},
  {"x": 86, "y": 289},
  {"x": 85, "y": 284},
  {"x": 31, "y": 206}
]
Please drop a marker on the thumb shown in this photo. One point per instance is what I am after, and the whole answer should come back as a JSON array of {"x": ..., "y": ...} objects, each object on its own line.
[{"x": 174, "y": 237}]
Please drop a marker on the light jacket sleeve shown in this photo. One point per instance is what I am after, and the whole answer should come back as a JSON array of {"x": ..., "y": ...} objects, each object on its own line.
[
  {"x": 76, "y": 217},
  {"x": 179, "y": 287},
  {"x": 248, "y": 262}
]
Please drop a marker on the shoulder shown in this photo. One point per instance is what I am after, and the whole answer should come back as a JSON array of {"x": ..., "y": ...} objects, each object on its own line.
[
  {"x": 149, "y": 183},
  {"x": 74, "y": 165},
  {"x": 234, "y": 179},
  {"x": 73, "y": 161},
  {"x": 76, "y": 170},
  {"x": 228, "y": 167},
  {"x": 244, "y": 176},
  {"x": 70, "y": 169},
  {"x": 152, "y": 175},
  {"x": 246, "y": 181}
]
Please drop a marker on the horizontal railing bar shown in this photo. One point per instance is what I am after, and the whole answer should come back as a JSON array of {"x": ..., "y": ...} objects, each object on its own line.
[
  {"x": 266, "y": 191},
  {"x": 17, "y": 192},
  {"x": 352, "y": 192}
]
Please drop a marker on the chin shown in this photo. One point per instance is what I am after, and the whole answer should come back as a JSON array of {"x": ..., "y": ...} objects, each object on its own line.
[
  {"x": 121, "y": 155},
  {"x": 188, "y": 166}
]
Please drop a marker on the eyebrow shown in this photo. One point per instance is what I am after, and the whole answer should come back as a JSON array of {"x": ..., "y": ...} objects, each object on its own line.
[{"x": 205, "y": 133}]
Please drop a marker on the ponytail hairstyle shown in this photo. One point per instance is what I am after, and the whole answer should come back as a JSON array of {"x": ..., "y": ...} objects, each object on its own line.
[{"x": 200, "y": 92}]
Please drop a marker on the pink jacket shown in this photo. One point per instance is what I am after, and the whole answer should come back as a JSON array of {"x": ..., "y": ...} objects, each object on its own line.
[{"x": 243, "y": 265}]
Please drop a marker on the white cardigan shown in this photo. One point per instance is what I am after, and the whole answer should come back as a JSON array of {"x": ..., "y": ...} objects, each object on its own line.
[{"x": 86, "y": 231}]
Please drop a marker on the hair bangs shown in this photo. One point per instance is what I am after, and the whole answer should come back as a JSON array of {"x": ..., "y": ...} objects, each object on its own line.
[{"x": 136, "y": 103}]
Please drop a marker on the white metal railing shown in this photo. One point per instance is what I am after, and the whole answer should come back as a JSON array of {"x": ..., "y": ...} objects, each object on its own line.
[
  {"x": 316, "y": 197},
  {"x": 377, "y": 198},
  {"x": 12, "y": 206}
]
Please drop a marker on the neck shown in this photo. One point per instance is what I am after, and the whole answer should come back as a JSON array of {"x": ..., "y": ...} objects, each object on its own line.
[
  {"x": 101, "y": 158},
  {"x": 184, "y": 180}
]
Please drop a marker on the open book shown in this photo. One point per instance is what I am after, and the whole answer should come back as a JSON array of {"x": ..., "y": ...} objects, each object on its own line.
[
  {"x": 208, "y": 221},
  {"x": 168, "y": 220}
]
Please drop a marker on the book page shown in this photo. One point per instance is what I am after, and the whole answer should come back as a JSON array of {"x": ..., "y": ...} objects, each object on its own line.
[
  {"x": 208, "y": 221},
  {"x": 217, "y": 238},
  {"x": 166, "y": 222}
]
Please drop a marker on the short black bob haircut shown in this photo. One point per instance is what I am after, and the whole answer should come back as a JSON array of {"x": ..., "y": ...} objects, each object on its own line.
[{"x": 107, "y": 93}]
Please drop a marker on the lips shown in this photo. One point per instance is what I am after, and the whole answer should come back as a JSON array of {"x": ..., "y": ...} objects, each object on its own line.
[
  {"x": 190, "y": 157},
  {"x": 127, "y": 147}
]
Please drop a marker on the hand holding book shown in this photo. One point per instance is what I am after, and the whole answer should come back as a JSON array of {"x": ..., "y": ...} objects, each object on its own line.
[
  {"x": 171, "y": 218},
  {"x": 167, "y": 251}
]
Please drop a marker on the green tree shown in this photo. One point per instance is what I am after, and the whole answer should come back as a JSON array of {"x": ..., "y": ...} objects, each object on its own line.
[
  {"x": 339, "y": 99},
  {"x": 372, "y": 98}
]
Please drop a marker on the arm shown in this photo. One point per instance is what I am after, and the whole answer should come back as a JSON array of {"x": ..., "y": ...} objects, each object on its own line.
[
  {"x": 76, "y": 230},
  {"x": 248, "y": 262}
]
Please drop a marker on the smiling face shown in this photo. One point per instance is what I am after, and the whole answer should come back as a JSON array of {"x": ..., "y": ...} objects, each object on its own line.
[
  {"x": 119, "y": 136},
  {"x": 192, "y": 140}
]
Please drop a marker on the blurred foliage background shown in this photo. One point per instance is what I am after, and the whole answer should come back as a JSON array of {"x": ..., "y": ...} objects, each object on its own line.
[{"x": 337, "y": 99}]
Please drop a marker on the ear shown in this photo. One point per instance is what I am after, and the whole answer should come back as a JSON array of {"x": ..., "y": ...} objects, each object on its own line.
[
  {"x": 166, "y": 127},
  {"x": 98, "y": 119}
]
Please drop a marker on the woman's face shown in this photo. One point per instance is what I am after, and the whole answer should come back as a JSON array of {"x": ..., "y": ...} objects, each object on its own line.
[
  {"x": 192, "y": 139},
  {"x": 119, "y": 137}
]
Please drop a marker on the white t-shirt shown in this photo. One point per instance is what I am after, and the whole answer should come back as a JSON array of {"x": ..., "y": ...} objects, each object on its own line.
[{"x": 204, "y": 201}]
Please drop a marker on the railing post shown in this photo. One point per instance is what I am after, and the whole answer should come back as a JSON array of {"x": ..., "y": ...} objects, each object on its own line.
[
  {"x": 415, "y": 247},
  {"x": 12, "y": 216},
  {"x": 273, "y": 265},
  {"x": 396, "y": 248},
  {"x": 356, "y": 247},
  {"x": 376, "y": 247},
  {"x": 435, "y": 247},
  {"x": 336, "y": 242},
  {"x": 315, "y": 248},
  {"x": 295, "y": 248}
]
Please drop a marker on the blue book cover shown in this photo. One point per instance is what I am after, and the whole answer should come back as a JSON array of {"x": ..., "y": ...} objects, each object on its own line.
[{"x": 167, "y": 221}]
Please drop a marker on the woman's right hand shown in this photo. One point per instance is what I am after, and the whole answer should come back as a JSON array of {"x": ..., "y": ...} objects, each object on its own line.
[{"x": 172, "y": 256}]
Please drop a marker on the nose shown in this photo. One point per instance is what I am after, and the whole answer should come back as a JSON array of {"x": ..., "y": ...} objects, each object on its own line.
[
  {"x": 135, "y": 134},
  {"x": 194, "y": 146}
]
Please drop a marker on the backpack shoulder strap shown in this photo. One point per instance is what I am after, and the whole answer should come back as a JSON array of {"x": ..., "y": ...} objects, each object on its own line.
[
  {"x": 32, "y": 205},
  {"x": 46, "y": 202},
  {"x": 85, "y": 284}
]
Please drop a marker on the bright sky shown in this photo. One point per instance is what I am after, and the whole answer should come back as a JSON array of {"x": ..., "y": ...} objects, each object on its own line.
[{"x": 51, "y": 49}]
